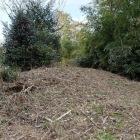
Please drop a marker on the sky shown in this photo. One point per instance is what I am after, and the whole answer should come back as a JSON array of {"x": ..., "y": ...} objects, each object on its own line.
[{"x": 71, "y": 7}]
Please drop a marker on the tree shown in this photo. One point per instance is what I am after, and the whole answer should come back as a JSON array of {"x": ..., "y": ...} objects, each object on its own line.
[
  {"x": 18, "y": 41},
  {"x": 114, "y": 27},
  {"x": 45, "y": 22},
  {"x": 70, "y": 32},
  {"x": 32, "y": 39}
]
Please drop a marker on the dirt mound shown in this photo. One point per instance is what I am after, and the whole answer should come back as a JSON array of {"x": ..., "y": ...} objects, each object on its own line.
[{"x": 69, "y": 103}]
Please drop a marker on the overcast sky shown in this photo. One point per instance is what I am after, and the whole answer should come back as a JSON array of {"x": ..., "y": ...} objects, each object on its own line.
[{"x": 70, "y": 6}]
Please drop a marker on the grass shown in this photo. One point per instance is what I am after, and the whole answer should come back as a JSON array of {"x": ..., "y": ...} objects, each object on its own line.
[{"x": 70, "y": 104}]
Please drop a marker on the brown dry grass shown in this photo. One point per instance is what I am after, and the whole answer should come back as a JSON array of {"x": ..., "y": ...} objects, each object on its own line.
[{"x": 70, "y": 104}]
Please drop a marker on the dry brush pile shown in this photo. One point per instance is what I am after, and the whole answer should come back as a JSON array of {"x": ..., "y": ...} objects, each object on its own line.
[{"x": 70, "y": 104}]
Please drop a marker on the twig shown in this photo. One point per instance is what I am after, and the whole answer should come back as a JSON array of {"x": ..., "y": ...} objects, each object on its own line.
[
  {"x": 27, "y": 89},
  {"x": 63, "y": 115},
  {"x": 84, "y": 133},
  {"x": 48, "y": 119},
  {"x": 21, "y": 137},
  {"x": 105, "y": 119},
  {"x": 36, "y": 120},
  {"x": 63, "y": 101},
  {"x": 91, "y": 120}
]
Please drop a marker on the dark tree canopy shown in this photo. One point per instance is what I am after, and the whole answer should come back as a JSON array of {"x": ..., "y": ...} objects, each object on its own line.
[
  {"x": 32, "y": 39},
  {"x": 113, "y": 36}
]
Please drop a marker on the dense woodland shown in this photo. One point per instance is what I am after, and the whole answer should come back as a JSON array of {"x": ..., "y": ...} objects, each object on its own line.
[{"x": 108, "y": 39}]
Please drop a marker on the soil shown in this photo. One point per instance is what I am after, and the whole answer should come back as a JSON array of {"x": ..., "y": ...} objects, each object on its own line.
[{"x": 70, "y": 103}]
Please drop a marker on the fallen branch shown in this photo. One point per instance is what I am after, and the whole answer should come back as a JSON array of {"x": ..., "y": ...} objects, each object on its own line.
[
  {"x": 48, "y": 119},
  {"x": 63, "y": 115},
  {"x": 27, "y": 90}
]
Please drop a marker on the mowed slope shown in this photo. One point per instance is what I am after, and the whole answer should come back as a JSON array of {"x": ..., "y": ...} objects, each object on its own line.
[{"x": 70, "y": 104}]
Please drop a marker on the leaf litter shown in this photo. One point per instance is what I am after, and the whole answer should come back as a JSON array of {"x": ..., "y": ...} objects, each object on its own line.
[{"x": 70, "y": 103}]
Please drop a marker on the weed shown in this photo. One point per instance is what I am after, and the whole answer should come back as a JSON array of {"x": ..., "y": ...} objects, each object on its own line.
[
  {"x": 99, "y": 109},
  {"x": 46, "y": 124},
  {"x": 106, "y": 136},
  {"x": 2, "y": 121}
]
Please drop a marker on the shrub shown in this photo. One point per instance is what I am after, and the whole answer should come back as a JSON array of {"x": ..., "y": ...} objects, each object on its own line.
[
  {"x": 32, "y": 39},
  {"x": 114, "y": 40},
  {"x": 8, "y": 74},
  {"x": 43, "y": 55}
]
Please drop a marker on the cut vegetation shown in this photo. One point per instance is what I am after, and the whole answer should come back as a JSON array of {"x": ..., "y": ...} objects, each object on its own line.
[
  {"x": 70, "y": 104},
  {"x": 43, "y": 100}
]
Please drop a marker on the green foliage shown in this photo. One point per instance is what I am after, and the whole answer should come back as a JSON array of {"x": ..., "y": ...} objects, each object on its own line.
[
  {"x": 31, "y": 39},
  {"x": 88, "y": 61},
  {"x": 113, "y": 39},
  {"x": 8, "y": 74},
  {"x": 18, "y": 41},
  {"x": 71, "y": 35},
  {"x": 45, "y": 21},
  {"x": 1, "y": 56},
  {"x": 106, "y": 136},
  {"x": 44, "y": 55}
]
